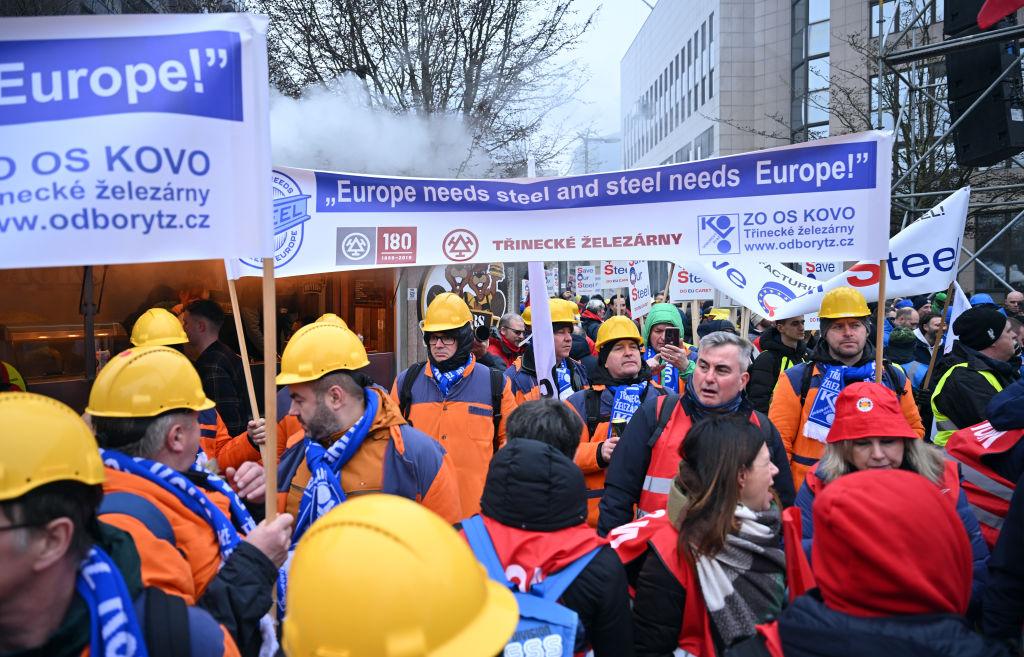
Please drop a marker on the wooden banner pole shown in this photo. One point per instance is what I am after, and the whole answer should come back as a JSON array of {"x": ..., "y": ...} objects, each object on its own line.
[
  {"x": 883, "y": 270},
  {"x": 269, "y": 387}
]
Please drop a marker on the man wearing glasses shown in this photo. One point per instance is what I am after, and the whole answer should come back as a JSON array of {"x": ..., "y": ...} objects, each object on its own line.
[
  {"x": 460, "y": 404},
  {"x": 506, "y": 345}
]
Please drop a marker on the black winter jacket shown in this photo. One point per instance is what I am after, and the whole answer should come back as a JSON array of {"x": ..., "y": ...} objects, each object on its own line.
[
  {"x": 966, "y": 392},
  {"x": 632, "y": 457},
  {"x": 810, "y": 629},
  {"x": 531, "y": 485},
  {"x": 764, "y": 371},
  {"x": 1003, "y": 605}
]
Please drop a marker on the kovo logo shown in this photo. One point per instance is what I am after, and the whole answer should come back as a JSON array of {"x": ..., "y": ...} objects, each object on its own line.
[
  {"x": 718, "y": 234},
  {"x": 291, "y": 211}
]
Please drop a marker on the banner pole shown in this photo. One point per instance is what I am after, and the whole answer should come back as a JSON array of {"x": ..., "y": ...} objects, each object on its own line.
[
  {"x": 880, "y": 319},
  {"x": 242, "y": 348},
  {"x": 938, "y": 337},
  {"x": 269, "y": 387},
  {"x": 668, "y": 283},
  {"x": 745, "y": 323},
  {"x": 694, "y": 320}
]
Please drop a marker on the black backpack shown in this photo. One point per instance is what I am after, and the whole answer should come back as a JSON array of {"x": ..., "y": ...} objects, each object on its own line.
[{"x": 497, "y": 390}]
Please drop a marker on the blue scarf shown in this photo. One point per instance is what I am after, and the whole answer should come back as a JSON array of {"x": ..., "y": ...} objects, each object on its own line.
[
  {"x": 563, "y": 378},
  {"x": 627, "y": 400},
  {"x": 668, "y": 375},
  {"x": 833, "y": 379},
  {"x": 700, "y": 409},
  {"x": 324, "y": 492},
  {"x": 114, "y": 629},
  {"x": 194, "y": 499},
  {"x": 447, "y": 380}
]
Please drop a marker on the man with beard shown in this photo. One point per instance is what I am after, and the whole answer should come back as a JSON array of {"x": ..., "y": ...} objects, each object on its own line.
[
  {"x": 782, "y": 347},
  {"x": 621, "y": 384},
  {"x": 461, "y": 405},
  {"x": 354, "y": 440},
  {"x": 647, "y": 457},
  {"x": 568, "y": 374},
  {"x": 803, "y": 403}
]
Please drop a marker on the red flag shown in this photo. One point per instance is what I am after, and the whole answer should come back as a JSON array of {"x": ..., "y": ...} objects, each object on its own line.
[
  {"x": 994, "y": 11},
  {"x": 798, "y": 571}
]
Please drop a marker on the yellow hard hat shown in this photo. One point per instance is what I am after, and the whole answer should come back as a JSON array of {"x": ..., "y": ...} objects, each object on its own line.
[
  {"x": 718, "y": 313},
  {"x": 156, "y": 328},
  {"x": 617, "y": 328},
  {"x": 43, "y": 441},
  {"x": 320, "y": 348},
  {"x": 331, "y": 318},
  {"x": 446, "y": 312},
  {"x": 562, "y": 311},
  {"x": 381, "y": 575},
  {"x": 843, "y": 302},
  {"x": 145, "y": 382}
]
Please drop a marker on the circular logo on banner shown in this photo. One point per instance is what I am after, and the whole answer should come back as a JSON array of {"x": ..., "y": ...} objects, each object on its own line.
[
  {"x": 355, "y": 246},
  {"x": 865, "y": 405},
  {"x": 291, "y": 212},
  {"x": 460, "y": 245},
  {"x": 777, "y": 290}
]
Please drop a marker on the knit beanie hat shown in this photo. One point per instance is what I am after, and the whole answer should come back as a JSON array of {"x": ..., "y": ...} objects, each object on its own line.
[
  {"x": 871, "y": 529},
  {"x": 979, "y": 327},
  {"x": 901, "y": 345}
]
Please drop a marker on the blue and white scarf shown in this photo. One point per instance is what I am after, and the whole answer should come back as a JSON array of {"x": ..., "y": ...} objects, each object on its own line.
[
  {"x": 447, "y": 380},
  {"x": 627, "y": 400},
  {"x": 833, "y": 379},
  {"x": 114, "y": 628},
  {"x": 668, "y": 375},
  {"x": 563, "y": 379},
  {"x": 192, "y": 497},
  {"x": 324, "y": 491}
]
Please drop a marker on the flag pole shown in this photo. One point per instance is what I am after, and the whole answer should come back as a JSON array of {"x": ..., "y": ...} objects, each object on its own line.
[
  {"x": 880, "y": 319},
  {"x": 269, "y": 387},
  {"x": 694, "y": 319},
  {"x": 242, "y": 348},
  {"x": 668, "y": 283},
  {"x": 938, "y": 337}
]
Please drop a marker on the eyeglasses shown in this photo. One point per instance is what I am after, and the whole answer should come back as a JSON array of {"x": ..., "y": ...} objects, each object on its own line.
[
  {"x": 516, "y": 331},
  {"x": 23, "y": 525},
  {"x": 440, "y": 338}
]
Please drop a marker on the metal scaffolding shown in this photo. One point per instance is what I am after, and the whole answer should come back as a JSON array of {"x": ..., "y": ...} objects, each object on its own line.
[{"x": 905, "y": 190}]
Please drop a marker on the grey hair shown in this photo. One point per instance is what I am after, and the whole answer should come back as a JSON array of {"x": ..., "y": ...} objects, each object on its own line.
[
  {"x": 905, "y": 312},
  {"x": 918, "y": 456},
  {"x": 507, "y": 318},
  {"x": 723, "y": 338},
  {"x": 153, "y": 439},
  {"x": 594, "y": 305}
]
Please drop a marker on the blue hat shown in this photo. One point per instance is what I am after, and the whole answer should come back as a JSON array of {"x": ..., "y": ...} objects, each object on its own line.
[
  {"x": 981, "y": 298},
  {"x": 904, "y": 303}
]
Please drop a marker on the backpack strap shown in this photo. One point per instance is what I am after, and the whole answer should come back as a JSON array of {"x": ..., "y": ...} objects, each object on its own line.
[
  {"x": 483, "y": 548},
  {"x": 167, "y": 627},
  {"x": 576, "y": 375},
  {"x": 405, "y": 392},
  {"x": 592, "y": 406},
  {"x": 554, "y": 585},
  {"x": 897, "y": 376},
  {"x": 665, "y": 406},
  {"x": 497, "y": 392},
  {"x": 138, "y": 507},
  {"x": 805, "y": 382}
]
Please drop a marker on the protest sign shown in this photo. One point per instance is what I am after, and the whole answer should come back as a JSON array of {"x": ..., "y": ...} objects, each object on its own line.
[
  {"x": 585, "y": 278},
  {"x": 614, "y": 274},
  {"x": 687, "y": 285},
  {"x": 551, "y": 281},
  {"x": 141, "y": 139},
  {"x": 922, "y": 258},
  {"x": 829, "y": 197},
  {"x": 640, "y": 298}
]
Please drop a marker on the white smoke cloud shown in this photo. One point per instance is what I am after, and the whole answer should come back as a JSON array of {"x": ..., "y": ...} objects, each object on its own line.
[{"x": 336, "y": 129}]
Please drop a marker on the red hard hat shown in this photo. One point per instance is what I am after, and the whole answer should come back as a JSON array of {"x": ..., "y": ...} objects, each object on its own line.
[{"x": 868, "y": 410}]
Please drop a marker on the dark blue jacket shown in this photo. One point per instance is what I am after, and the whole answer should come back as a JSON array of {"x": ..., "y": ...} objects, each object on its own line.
[
  {"x": 1003, "y": 610},
  {"x": 979, "y": 549},
  {"x": 1006, "y": 410},
  {"x": 810, "y": 629}
]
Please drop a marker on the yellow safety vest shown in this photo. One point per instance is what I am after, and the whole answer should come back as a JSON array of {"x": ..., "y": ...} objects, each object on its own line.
[{"x": 945, "y": 427}]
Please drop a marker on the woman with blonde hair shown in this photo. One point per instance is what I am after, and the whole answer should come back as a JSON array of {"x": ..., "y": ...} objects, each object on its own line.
[{"x": 871, "y": 433}]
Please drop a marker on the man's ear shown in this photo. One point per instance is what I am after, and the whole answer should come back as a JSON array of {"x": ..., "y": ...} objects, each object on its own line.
[{"x": 52, "y": 543}]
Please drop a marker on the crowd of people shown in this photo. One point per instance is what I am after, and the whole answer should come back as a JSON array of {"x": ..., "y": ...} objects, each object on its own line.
[{"x": 670, "y": 494}]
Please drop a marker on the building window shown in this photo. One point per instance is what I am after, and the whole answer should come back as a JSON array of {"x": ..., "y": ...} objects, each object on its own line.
[
  {"x": 704, "y": 144},
  {"x": 711, "y": 28},
  {"x": 1004, "y": 257},
  {"x": 809, "y": 107},
  {"x": 711, "y": 84}
]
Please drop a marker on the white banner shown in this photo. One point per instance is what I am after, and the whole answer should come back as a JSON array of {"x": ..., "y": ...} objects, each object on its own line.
[
  {"x": 140, "y": 139},
  {"x": 829, "y": 197},
  {"x": 959, "y": 304},
  {"x": 585, "y": 279},
  {"x": 922, "y": 258},
  {"x": 542, "y": 335},
  {"x": 614, "y": 274},
  {"x": 687, "y": 285},
  {"x": 640, "y": 298}
]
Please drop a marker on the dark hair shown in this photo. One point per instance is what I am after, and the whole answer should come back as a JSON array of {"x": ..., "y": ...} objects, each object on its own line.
[
  {"x": 60, "y": 499},
  {"x": 716, "y": 449},
  {"x": 350, "y": 382},
  {"x": 549, "y": 421},
  {"x": 208, "y": 310}
]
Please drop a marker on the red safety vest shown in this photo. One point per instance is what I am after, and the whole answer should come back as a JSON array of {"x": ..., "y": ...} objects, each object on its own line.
[
  {"x": 665, "y": 459},
  {"x": 988, "y": 494},
  {"x": 632, "y": 540}
]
